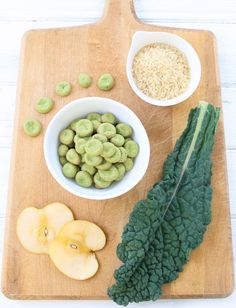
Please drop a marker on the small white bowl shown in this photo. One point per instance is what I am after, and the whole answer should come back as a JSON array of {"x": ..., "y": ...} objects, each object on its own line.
[
  {"x": 143, "y": 38},
  {"x": 80, "y": 108}
]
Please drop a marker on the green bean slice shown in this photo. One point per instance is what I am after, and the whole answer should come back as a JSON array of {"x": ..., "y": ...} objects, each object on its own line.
[
  {"x": 90, "y": 169},
  {"x": 107, "y": 130},
  {"x": 118, "y": 140},
  {"x": 73, "y": 157},
  {"x": 105, "y": 165},
  {"x": 100, "y": 137},
  {"x": 123, "y": 154},
  {"x": 128, "y": 164},
  {"x": 109, "y": 175},
  {"x": 124, "y": 129},
  {"x": 96, "y": 124},
  {"x": 115, "y": 158},
  {"x": 99, "y": 182},
  {"x": 32, "y": 127},
  {"x": 108, "y": 118},
  {"x": 73, "y": 124},
  {"x": 121, "y": 169},
  {"x": 44, "y": 105},
  {"x": 108, "y": 149},
  {"x": 94, "y": 147},
  {"x": 83, "y": 179},
  {"x": 63, "y": 88},
  {"x": 85, "y": 80},
  {"x": 80, "y": 146},
  {"x": 92, "y": 160},
  {"x": 62, "y": 160},
  {"x": 83, "y": 157},
  {"x": 93, "y": 116},
  {"x": 132, "y": 148},
  {"x": 106, "y": 82},
  {"x": 69, "y": 170},
  {"x": 66, "y": 136},
  {"x": 62, "y": 150},
  {"x": 84, "y": 128}
]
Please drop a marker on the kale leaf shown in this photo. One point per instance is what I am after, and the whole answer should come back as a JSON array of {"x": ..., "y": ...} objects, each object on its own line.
[{"x": 164, "y": 228}]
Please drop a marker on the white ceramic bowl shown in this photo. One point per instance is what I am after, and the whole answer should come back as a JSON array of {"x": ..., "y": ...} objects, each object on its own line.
[
  {"x": 143, "y": 38},
  {"x": 80, "y": 108}
]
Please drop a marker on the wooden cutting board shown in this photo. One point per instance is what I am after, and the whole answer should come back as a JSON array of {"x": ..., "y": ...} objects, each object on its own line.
[{"x": 52, "y": 55}]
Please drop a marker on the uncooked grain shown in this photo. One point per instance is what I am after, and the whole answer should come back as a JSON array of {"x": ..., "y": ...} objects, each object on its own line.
[{"x": 161, "y": 71}]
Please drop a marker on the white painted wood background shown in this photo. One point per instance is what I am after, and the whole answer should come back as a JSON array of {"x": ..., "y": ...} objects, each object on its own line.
[{"x": 18, "y": 16}]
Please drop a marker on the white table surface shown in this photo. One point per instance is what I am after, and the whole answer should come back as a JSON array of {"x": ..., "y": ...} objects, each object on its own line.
[{"x": 18, "y": 16}]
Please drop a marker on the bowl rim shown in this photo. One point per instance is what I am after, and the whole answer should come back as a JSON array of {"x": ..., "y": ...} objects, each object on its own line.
[
  {"x": 65, "y": 182},
  {"x": 169, "y": 102}
]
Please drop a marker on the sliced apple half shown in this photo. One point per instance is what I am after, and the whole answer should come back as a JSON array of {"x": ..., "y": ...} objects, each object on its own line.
[
  {"x": 36, "y": 228},
  {"x": 73, "y": 250}
]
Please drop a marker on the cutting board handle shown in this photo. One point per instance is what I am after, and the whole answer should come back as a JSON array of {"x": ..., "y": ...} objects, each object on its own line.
[{"x": 119, "y": 8}]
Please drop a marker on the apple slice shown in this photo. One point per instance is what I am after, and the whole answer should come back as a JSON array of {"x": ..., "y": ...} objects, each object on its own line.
[
  {"x": 72, "y": 251},
  {"x": 36, "y": 228}
]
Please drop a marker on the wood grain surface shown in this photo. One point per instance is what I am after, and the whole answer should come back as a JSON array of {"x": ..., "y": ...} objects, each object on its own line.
[{"x": 52, "y": 55}]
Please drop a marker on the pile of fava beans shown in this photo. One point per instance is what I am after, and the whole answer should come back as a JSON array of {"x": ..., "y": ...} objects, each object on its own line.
[{"x": 97, "y": 150}]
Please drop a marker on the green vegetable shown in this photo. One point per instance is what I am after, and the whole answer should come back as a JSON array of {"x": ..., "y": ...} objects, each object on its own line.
[
  {"x": 84, "y": 80},
  {"x": 66, "y": 136},
  {"x": 62, "y": 150},
  {"x": 44, "y": 105},
  {"x": 84, "y": 179},
  {"x": 32, "y": 127},
  {"x": 63, "y": 88},
  {"x": 73, "y": 157},
  {"x": 106, "y": 82},
  {"x": 92, "y": 145},
  {"x": 164, "y": 228}
]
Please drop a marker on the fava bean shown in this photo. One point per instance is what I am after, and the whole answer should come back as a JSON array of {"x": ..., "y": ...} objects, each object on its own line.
[{"x": 69, "y": 170}]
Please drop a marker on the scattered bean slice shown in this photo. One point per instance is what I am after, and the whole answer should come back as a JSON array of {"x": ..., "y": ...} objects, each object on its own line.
[
  {"x": 44, "y": 105},
  {"x": 85, "y": 80},
  {"x": 83, "y": 179},
  {"x": 32, "y": 127},
  {"x": 63, "y": 88},
  {"x": 106, "y": 82}
]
